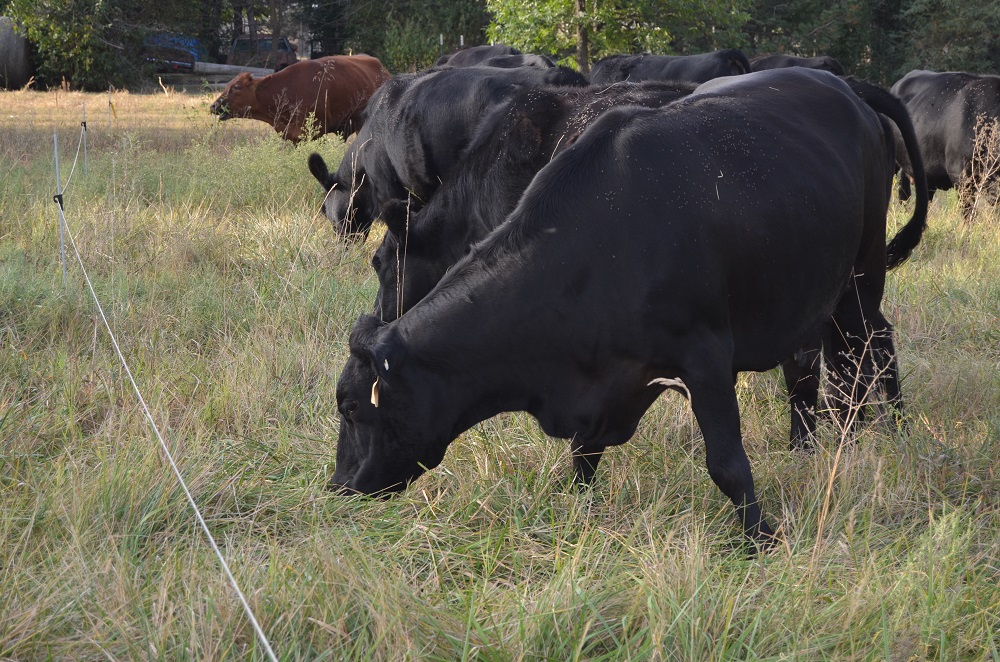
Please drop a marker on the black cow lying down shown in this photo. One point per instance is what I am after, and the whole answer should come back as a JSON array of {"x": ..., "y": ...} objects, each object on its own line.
[
  {"x": 945, "y": 108},
  {"x": 416, "y": 127},
  {"x": 697, "y": 68},
  {"x": 716, "y": 235}
]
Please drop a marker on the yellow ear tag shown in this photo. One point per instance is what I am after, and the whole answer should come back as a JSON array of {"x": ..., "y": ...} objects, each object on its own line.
[{"x": 375, "y": 393}]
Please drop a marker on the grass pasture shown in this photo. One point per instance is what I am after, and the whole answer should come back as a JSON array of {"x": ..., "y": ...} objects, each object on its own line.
[{"x": 231, "y": 300}]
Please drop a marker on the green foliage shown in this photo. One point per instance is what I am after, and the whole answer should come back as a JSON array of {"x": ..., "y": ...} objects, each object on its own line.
[
  {"x": 327, "y": 21},
  {"x": 96, "y": 43},
  {"x": 861, "y": 35},
  {"x": 405, "y": 34},
  {"x": 409, "y": 45},
  {"x": 534, "y": 27},
  {"x": 883, "y": 39},
  {"x": 72, "y": 41},
  {"x": 92, "y": 44},
  {"x": 658, "y": 26},
  {"x": 952, "y": 35}
]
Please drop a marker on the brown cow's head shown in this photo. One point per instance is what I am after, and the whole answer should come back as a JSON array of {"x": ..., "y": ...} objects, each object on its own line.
[{"x": 237, "y": 99}]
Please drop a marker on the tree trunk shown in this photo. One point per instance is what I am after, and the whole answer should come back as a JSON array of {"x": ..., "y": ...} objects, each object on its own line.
[
  {"x": 277, "y": 29},
  {"x": 582, "y": 37},
  {"x": 252, "y": 30},
  {"x": 15, "y": 67}
]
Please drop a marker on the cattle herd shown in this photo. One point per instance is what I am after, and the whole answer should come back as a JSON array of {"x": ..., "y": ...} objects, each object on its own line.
[{"x": 574, "y": 247}]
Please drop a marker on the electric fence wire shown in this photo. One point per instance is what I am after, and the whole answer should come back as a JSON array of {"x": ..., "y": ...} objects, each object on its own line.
[{"x": 64, "y": 226}]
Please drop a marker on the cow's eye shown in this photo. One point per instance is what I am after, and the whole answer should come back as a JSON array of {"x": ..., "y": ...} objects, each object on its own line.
[
  {"x": 376, "y": 262},
  {"x": 348, "y": 408}
]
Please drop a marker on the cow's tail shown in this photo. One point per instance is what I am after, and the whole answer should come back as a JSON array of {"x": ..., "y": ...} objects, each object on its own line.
[{"x": 881, "y": 101}]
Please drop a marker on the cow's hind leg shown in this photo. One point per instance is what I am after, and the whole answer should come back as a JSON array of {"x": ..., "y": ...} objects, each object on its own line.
[
  {"x": 713, "y": 399},
  {"x": 802, "y": 373},
  {"x": 887, "y": 370},
  {"x": 849, "y": 379},
  {"x": 860, "y": 356}
]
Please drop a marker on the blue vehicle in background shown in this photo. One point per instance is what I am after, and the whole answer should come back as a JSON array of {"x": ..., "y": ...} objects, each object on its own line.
[{"x": 171, "y": 52}]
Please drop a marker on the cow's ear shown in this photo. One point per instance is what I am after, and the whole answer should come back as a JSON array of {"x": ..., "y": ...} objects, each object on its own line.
[
  {"x": 317, "y": 166},
  {"x": 396, "y": 214},
  {"x": 370, "y": 338},
  {"x": 386, "y": 359}
]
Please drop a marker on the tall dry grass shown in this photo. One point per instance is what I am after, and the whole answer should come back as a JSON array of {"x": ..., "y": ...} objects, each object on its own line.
[
  {"x": 232, "y": 299},
  {"x": 978, "y": 190}
]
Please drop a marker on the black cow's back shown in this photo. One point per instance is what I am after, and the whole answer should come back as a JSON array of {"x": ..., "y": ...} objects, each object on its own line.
[
  {"x": 512, "y": 143},
  {"x": 475, "y": 55},
  {"x": 697, "y": 68},
  {"x": 615, "y": 192},
  {"x": 779, "y": 60}
]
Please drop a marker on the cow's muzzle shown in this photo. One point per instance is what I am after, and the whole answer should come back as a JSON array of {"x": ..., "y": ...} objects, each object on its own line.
[{"x": 221, "y": 109}]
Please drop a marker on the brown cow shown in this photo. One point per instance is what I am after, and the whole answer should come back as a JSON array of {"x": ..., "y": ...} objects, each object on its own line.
[{"x": 335, "y": 88}]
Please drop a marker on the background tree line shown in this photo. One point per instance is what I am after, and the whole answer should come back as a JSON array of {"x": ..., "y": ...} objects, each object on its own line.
[{"x": 96, "y": 43}]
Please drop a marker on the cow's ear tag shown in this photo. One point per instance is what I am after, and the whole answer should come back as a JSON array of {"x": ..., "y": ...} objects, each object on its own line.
[{"x": 375, "y": 393}]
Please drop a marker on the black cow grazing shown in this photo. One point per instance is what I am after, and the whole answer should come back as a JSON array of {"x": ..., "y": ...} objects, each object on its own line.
[
  {"x": 692, "y": 68},
  {"x": 475, "y": 55},
  {"x": 946, "y": 108},
  {"x": 512, "y": 143},
  {"x": 779, "y": 61},
  {"x": 417, "y": 126},
  {"x": 667, "y": 248}
]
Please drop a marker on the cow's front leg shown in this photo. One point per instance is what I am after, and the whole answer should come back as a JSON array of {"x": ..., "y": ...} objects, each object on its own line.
[
  {"x": 586, "y": 457},
  {"x": 713, "y": 399}
]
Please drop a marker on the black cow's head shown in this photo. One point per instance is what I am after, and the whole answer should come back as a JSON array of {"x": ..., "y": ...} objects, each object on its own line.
[
  {"x": 345, "y": 203},
  {"x": 389, "y": 434}
]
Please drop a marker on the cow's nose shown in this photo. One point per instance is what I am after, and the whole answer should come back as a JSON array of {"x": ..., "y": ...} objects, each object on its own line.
[{"x": 339, "y": 487}]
